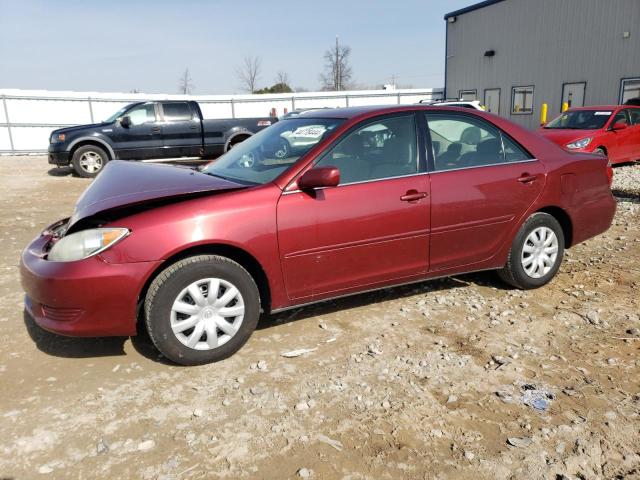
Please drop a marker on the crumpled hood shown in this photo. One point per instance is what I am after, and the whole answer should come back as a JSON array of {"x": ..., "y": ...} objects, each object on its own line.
[
  {"x": 123, "y": 183},
  {"x": 562, "y": 136}
]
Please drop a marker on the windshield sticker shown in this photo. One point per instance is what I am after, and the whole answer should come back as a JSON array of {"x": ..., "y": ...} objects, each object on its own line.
[
  {"x": 602, "y": 113},
  {"x": 312, "y": 131}
]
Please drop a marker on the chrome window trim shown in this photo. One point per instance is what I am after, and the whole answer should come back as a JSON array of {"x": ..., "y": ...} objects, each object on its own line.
[
  {"x": 528, "y": 160},
  {"x": 361, "y": 182}
]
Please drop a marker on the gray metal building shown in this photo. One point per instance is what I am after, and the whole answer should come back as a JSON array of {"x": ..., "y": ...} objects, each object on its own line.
[{"x": 515, "y": 55}]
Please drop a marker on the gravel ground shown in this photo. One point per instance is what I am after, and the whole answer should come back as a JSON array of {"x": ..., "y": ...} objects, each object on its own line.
[{"x": 457, "y": 378}]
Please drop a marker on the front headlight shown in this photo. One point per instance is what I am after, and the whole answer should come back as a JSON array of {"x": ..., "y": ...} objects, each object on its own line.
[
  {"x": 57, "y": 137},
  {"x": 583, "y": 142},
  {"x": 85, "y": 244}
]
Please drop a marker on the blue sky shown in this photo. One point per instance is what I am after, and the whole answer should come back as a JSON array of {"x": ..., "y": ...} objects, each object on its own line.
[{"x": 117, "y": 45}]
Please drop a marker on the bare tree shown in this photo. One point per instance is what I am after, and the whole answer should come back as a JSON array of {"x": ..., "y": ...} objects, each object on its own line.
[
  {"x": 282, "y": 78},
  {"x": 337, "y": 74},
  {"x": 186, "y": 85},
  {"x": 249, "y": 72}
]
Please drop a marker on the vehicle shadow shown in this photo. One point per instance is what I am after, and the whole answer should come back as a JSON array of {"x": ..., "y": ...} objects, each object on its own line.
[
  {"x": 392, "y": 293},
  {"x": 60, "y": 171},
  {"x": 81, "y": 347},
  {"x": 625, "y": 195},
  {"x": 72, "y": 347}
]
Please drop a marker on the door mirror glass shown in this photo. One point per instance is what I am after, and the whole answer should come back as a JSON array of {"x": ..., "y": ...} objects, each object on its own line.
[
  {"x": 319, "y": 177},
  {"x": 619, "y": 126},
  {"x": 125, "y": 121}
]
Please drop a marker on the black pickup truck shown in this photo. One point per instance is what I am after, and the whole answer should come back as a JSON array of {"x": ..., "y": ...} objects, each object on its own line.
[{"x": 161, "y": 130}]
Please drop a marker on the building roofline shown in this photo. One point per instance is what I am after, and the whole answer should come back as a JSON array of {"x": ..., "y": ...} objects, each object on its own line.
[{"x": 471, "y": 8}]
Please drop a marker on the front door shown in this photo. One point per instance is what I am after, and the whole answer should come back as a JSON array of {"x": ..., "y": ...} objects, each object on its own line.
[
  {"x": 620, "y": 140},
  {"x": 181, "y": 131},
  {"x": 482, "y": 183},
  {"x": 142, "y": 138},
  {"x": 371, "y": 229}
]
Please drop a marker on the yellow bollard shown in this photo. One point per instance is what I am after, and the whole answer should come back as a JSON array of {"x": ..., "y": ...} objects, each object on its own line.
[
  {"x": 543, "y": 114},
  {"x": 565, "y": 106}
]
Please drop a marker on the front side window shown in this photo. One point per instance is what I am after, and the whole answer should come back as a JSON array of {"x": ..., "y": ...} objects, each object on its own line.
[
  {"x": 142, "y": 114},
  {"x": 522, "y": 100},
  {"x": 634, "y": 113},
  {"x": 264, "y": 156},
  {"x": 463, "y": 142},
  {"x": 385, "y": 148},
  {"x": 620, "y": 117},
  {"x": 178, "y": 111}
]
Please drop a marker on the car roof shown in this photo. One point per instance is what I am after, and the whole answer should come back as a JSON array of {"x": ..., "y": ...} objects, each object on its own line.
[
  {"x": 599, "y": 107},
  {"x": 353, "y": 112}
]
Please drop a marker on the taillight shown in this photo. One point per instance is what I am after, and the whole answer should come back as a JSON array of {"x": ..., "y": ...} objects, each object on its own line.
[{"x": 610, "y": 173}]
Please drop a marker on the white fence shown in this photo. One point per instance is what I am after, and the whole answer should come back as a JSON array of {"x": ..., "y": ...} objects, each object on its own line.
[{"x": 27, "y": 117}]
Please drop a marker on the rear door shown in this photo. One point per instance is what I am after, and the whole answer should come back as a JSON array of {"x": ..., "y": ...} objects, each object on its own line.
[
  {"x": 181, "y": 130},
  {"x": 142, "y": 139},
  {"x": 371, "y": 229},
  {"x": 482, "y": 183}
]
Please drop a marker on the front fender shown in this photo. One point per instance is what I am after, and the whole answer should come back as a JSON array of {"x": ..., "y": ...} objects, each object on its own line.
[{"x": 98, "y": 138}]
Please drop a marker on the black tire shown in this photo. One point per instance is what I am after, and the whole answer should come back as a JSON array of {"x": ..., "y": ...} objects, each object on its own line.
[
  {"x": 600, "y": 151},
  {"x": 168, "y": 285},
  {"x": 80, "y": 166},
  {"x": 514, "y": 272}
]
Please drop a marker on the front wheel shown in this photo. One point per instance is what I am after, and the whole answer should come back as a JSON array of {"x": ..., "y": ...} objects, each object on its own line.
[
  {"x": 201, "y": 309},
  {"x": 88, "y": 161},
  {"x": 536, "y": 253}
]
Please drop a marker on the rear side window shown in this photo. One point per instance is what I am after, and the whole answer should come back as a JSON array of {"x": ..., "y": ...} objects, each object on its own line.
[
  {"x": 385, "y": 148},
  {"x": 463, "y": 142},
  {"x": 176, "y": 111}
]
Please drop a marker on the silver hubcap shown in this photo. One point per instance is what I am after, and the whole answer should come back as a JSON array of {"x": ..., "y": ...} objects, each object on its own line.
[
  {"x": 90, "y": 162},
  {"x": 207, "y": 314},
  {"x": 540, "y": 252}
]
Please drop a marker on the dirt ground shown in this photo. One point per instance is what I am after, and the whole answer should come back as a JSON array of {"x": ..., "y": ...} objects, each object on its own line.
[{"x": 436, "y": 380}]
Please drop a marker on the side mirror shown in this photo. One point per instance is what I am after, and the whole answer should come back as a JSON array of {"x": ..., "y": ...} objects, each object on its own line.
[
  {"x": 319, "y": 177},
  {"x": 125, "y": 121},
  {"x": 619, "y": 126}
]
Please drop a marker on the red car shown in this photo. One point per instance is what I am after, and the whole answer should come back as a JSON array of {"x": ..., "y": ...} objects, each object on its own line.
[
  {"x": 321, "y": 205},
  {"x": 611, "y": 130}
]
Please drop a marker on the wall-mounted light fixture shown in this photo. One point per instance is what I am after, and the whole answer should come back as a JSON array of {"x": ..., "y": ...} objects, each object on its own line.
[
  {"x": 489, "y": 53},
  {"x": 452, "y": 19}
]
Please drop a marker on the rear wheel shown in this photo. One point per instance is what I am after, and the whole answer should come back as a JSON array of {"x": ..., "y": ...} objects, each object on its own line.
[
  {"x": 89, "y": 160},
  {"x": 536, "y": 253},
  {"x": 201, "y": 309}
]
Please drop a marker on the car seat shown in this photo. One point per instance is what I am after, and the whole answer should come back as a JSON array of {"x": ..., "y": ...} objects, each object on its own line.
[
  {"x": 487, "y": 152},
  {"x": 348, "y": 159}
]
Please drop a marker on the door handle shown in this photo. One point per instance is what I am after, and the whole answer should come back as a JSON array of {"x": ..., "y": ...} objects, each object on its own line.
[
  {"x": 526, "y": 178},
  {"x": 413, "y": 196},
  {"x": 155, "y": 129}
]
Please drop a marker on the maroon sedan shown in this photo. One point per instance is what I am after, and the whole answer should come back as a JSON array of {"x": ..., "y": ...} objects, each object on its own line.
[{"x": 322, "y": 205}]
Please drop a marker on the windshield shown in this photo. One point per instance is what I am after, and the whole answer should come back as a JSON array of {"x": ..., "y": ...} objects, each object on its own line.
[
  {"x": 261, "y": 158},
  {"x": 581, "y": 120},
  {"x": 116, "y": 115}
]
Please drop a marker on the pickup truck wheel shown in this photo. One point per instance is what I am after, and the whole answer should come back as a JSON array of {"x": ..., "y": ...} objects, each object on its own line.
[
  {"x": 89, "y": 160},
  {"x": 536, "y": 253},
  {"x": 201, "y": 309}
]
